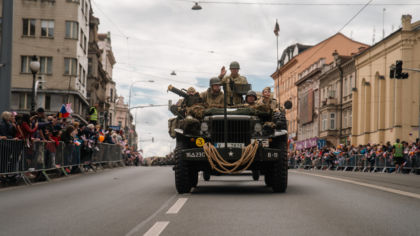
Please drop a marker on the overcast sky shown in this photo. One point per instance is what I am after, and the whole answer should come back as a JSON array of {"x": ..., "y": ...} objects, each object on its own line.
[{"x": 152, "y": 38}]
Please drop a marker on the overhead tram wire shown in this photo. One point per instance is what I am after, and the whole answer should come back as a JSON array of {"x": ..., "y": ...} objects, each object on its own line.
[
  {"x": 111, "y": 21},
  {"x": 298, "y": 3},
  {"x": 325, "y": 43}
]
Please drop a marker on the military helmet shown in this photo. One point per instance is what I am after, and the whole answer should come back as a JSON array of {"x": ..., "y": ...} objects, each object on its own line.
[
  {"x": 191, "y": 90},
  {"x": 214, "y": 81},
  {"x": 267, "y": 88},
  {"x": 234, "y": 65},
  {"x": 251, "y": 93}
]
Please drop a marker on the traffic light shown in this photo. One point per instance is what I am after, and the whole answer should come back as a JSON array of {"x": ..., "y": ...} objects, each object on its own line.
[
  {"x": 392, "y": 71},
  {"x": 396, "y": 71}
]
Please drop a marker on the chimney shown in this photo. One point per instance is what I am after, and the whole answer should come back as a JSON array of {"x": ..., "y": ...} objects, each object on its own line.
[{"x": 406, "y": 22}]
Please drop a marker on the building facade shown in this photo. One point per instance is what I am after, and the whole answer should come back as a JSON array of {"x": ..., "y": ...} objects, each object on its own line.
[
  {"x": 336, "y": 84},
  {"x": 108, "y": 61},
  {"x": 57, "y": 32},
  {"x": 385, "y": 109},
  {"x": 308, "y": 105},
  {"x": 101, "y": 87},
  {"x": 286, "y": 75}
]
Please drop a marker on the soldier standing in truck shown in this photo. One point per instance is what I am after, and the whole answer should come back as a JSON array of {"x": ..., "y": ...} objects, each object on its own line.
[
  {"x": 231, "y": 80},
  {"x": 213, "y": 97}
]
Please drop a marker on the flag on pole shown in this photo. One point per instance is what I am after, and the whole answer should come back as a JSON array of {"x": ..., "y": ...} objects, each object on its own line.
[
  {"x": 65, "y": 111},
  {"x": 276, "y": 29}
]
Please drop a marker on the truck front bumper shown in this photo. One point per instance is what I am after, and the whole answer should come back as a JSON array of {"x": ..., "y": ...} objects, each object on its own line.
[{"x": 231, "y": 154}]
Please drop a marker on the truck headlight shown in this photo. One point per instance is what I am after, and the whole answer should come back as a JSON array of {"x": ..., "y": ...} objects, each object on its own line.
[
  {"x": 257, "y": 127},
  {"x": 204, "y": 127}
]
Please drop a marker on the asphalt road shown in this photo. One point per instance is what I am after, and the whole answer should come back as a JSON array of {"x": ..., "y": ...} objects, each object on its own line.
[{"x": 139, "y": 200}]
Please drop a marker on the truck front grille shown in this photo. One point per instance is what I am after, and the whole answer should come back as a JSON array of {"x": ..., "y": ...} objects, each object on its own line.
[{"x": 239, "y": 131}]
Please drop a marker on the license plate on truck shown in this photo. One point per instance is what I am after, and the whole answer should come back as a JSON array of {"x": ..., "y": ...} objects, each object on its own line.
[{"x": 230, "y": 145}]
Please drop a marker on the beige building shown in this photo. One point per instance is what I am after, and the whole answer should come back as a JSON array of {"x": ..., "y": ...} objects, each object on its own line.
[
  {"x": 336, "y": 84},
  {"x": 383, "y": 108},
  {"x": 57, "y": 32},
  {"x": 295, "y": 63},
  {"x": 108, "y": 61}
]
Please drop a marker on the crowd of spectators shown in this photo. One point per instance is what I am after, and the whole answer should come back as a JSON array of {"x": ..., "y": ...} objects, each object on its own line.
[
  {"x": 37, "y": 126},
  {"x": 363, "y": 155}
]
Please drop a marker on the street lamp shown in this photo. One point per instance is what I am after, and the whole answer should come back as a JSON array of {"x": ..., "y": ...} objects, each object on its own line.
[
  {"x": 196, "y": 7},
  {"x": 131, "y": 87},
  {"x": 34, "y": 66},
  {"x": 129, "y": 98}
]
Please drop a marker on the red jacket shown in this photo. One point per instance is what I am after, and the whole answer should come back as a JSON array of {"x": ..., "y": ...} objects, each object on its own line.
[{"x": 26, "y": 130}]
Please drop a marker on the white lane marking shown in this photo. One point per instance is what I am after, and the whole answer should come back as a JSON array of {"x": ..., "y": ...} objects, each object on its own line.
[
  {"x": 157, "y": 228},
  {"x": 177, "y": 206},
  {"x": 390, "y": 190},
  {"x": 141, "y": 224}
]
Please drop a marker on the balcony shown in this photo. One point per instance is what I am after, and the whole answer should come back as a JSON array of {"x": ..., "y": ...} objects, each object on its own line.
[{"x": 331, "y": 101}]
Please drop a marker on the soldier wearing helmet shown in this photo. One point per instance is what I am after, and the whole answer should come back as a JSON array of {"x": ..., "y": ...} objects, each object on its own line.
[
  {"x": 213, "y": 97},
  {"x": 232, "y": 79},
  {"x": 251, "y": 99},
  {"x": 267, "y": 100}
]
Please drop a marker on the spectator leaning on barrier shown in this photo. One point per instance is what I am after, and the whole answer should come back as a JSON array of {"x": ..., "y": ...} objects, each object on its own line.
[
  {"x": 67, "y": 136},
  {"x": 7, "y": 128}
]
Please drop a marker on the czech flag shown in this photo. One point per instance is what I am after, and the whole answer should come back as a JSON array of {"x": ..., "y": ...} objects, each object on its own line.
[{"x": 64, "y": 113}]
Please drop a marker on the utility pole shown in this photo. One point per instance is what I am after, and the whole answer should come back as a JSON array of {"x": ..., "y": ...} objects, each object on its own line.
[{"x": 6, "y": 55}]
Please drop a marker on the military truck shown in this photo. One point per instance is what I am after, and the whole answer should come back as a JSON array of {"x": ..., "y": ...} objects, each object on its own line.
[{"x": 230, "y": 140}]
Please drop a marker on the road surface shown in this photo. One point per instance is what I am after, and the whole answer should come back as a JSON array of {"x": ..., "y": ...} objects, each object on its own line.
[{"x": 143, "y": 200}]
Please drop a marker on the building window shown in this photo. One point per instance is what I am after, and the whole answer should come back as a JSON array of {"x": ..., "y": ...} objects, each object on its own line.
[
  {"x": 75, "y": 1},
  {"x": 111, "y": 95},
  {"x": 47, "y": 28},
  {"x": 22, "y": 100},
  {"x": 324, "y": 122},
  {"x": 344, "y": 120},
  {"x": 87, "y": 9},
  {"x": 80, "y": 73},
  {"x": 345, "y": 87},
  {"x": 24, "y": 66},
  {"x": 350, "y": 84},
  {"x": 72, "y": 30},
  {"x": 83, "y": 6},
  {"x": 45, "y": 65},
  {"x": 110, "y": 118},
  {"x": 83, "y": 77},
  {"x": 349, "y": 119},
  {"x": 90, "y": 66},
  {"x": 47, "y": 102},
  {"x": 84, "y": 43},
  {"x": 70, "y": 66},
  {"x": 332, "y": 121},
  {"x": 120, "y": 124},
  {"x": 29, "y": 27}
]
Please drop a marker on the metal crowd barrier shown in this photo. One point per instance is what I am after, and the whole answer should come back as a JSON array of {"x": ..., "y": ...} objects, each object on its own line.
[
  {"x": 358, "y": 162},
  {"x": 18, "y": 157}
]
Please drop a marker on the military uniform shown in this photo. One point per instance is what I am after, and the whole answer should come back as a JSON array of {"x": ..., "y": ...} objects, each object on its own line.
[
  {"x": 211, "y": 99},
  {"x": 237, "y": 98},
  {"x": 272, "y": 103}
]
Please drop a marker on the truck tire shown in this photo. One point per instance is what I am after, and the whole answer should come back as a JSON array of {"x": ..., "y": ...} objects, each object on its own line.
[
  {"x": 255, "y": 175},
  {"x": 194, "y": 178},
  {"x": 206, "y": 176},
  {"x": 267, "y": 180},
  {"x": 182, "y": 175},
  {"x": 279, "y": 170}
]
